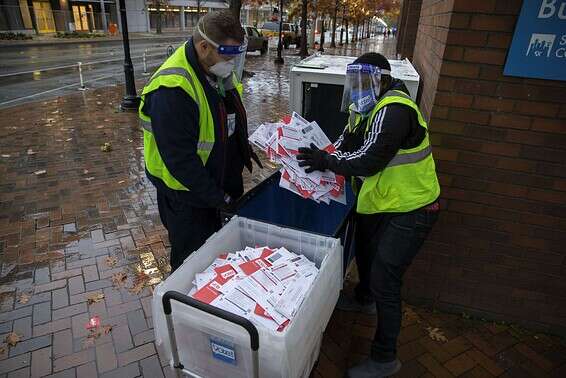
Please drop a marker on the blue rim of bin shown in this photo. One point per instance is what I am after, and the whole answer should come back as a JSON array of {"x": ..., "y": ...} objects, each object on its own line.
[{"x": 269, "y": 203}]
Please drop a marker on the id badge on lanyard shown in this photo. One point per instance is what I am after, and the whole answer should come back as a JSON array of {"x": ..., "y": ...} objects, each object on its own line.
[{"x": 231, "y": 124}]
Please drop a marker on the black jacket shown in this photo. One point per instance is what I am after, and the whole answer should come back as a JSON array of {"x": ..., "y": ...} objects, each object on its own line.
[
  {"x": 175, "y": 123},
  {"x": 394, "y": 127}
]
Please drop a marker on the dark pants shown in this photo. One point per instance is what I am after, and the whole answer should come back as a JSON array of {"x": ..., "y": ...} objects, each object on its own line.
[
  {"x": 385, "y": 247},
  {"x": 188, "y": 226}
]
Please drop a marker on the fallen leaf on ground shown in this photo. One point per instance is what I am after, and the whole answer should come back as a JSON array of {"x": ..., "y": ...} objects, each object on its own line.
[
  {"x": 89, "y": 178},
  {"x": 41, "y": 172},
  {"x": 12, "y": 339},
  {"x": 106, "y": 147},
  {"x": 121, "y": 181},
  {"x": 98, "y": 103},
  {"x": 95, "y": 332},
  {"x": 111, "y": 261},
  {"x": 5, "y": 155},
  {"x": 31, "y": 152},
  {"x": 436, "y": 334},
  {"x": 95, "y": 298},
  {"x": 118, "y": 279},
  {"x": 409, "y": 314},
  {"x": 85, "y": 171},
  {"x": 24, "y": 298},
  {"x": 140, "y": 281},
  {"x": 69, "y": 119}
]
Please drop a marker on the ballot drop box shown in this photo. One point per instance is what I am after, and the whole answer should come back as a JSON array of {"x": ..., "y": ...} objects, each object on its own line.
[
  {"x": 203, "y": 341},
  {"x": 317, "y": 83}
]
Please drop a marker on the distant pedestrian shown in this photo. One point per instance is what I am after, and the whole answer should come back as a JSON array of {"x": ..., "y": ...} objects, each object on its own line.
[
  {"x": 384, "y": 33},
  {"x": 388, "y": 32}
]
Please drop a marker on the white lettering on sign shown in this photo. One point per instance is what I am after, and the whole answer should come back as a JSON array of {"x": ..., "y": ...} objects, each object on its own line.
[{"x": 548, "y": 9}]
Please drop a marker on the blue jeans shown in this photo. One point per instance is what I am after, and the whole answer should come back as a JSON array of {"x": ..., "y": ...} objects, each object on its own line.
[{"x": 385, "y": 247}]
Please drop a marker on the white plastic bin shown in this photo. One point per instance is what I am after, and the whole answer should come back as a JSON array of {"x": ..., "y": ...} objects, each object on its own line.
[{"x": 209, "y": 346}]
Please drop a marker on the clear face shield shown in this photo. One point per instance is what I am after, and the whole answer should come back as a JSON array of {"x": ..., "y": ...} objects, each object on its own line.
[
  {"x": 362, "y": 87},
  {"x": 240, "y": 60}
]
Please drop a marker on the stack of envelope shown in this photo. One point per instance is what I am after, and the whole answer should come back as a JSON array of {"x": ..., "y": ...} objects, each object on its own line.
[
  {"x": 266, "y": 286},
  {"x": 281, "y": 142}
]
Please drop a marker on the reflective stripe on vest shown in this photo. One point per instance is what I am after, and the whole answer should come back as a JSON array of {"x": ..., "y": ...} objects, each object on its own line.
[{"x": 410, "y": 158}]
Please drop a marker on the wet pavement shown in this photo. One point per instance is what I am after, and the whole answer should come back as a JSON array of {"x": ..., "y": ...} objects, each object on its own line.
[
  {"x": 34, "y": 73},
  {"x": 81, "y": 241}
]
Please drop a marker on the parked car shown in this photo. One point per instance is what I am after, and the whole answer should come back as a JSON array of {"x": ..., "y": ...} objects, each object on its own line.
[
  {"x": 290, "y": 33},
  {"x": 256, "y": 40}
]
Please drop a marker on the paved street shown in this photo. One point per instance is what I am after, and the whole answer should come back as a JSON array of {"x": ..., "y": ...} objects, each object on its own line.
[
  {"x": 80, "y": 237},
  {"x": 39, "y": 72}
]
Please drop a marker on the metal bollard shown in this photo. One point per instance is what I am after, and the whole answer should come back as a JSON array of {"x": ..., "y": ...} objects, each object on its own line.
[
  {"x": 82, "y": 87},
  {"x": 145, "y": 73}
]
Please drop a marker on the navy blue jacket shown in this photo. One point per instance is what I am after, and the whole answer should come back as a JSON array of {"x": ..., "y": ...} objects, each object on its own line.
[{"x": 175, "y": 123}]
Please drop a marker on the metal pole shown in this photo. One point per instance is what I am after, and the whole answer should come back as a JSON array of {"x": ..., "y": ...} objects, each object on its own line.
[
  {"x": 103, "y": 11},
  {"x": 130, "y": 101},
  {"x": 145, "y": 63},
  {"x": 82, "y": 87},
  {"x": 279, "y": 59}
]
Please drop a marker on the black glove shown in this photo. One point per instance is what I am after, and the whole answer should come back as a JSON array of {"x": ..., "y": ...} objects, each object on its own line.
[{"x": 313, "y": 158}]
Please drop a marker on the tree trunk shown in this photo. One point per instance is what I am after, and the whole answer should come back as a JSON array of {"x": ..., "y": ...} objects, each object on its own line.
[
  {"x": 158, "y": 21},
  {"x": 363, "y": 29},
  {"x": 198, "y": 10},
  {"x": 236, "y": 8},
  {"x": 32, "y": 16},
  {"x": 333, "y": 39},
  {"x": 321, "y": 48},
  {"x": 304, "y": 51},
  {"x": 347, "y": 30},
  {"x": 342, "y": 27},
  {"x": 369, "y": 29}
]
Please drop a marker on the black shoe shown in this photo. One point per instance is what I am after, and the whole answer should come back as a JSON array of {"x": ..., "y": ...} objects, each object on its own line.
[
  {"x": 373, "y": 369},
  {"x": 350, "y": 304}
]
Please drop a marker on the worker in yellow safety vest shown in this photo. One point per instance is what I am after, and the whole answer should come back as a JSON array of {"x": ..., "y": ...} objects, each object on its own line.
[
  {"x": 385, "y": 149},
  {"x": 195, "y": 132}
]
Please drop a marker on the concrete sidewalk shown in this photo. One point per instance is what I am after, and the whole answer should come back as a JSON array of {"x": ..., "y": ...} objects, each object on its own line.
[{"x": 80, "y": 237}]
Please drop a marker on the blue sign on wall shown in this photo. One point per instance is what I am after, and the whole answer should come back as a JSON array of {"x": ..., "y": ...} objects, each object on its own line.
[{"x": 538, "y": 49}]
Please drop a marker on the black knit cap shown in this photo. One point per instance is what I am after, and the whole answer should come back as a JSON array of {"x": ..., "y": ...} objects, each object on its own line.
[{"x": 375, "y": 59}]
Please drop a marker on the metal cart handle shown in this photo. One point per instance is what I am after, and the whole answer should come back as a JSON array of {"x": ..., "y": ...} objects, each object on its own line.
[{"x": 215, "y": 311}]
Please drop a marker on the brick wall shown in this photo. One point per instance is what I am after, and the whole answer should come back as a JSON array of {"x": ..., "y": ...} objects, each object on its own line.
[
  {"x": 430, "y": 43},
  {"x": 500, "y": 147},
  {"x": 408, "y": 24}
]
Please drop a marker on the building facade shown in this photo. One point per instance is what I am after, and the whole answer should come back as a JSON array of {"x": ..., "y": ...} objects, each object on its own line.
[
  {"x": 51, "y": 16},
  {"x": 500, "y": 146}
]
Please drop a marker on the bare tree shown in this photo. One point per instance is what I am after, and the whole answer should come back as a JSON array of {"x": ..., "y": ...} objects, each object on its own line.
[{"x": 304, "y": 8}]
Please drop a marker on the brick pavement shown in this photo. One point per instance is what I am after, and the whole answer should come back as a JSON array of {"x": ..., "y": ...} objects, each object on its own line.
[{"x": 65, "y": 235}]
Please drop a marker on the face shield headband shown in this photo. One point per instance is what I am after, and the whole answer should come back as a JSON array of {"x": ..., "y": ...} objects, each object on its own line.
[{"x": 222, "y": 49}]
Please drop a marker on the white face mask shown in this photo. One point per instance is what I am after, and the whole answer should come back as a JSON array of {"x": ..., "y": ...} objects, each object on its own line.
[{"x": 222, "y": 69}]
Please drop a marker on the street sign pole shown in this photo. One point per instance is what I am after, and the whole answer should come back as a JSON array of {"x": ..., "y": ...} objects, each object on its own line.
[{"x": 131, "y": 101}]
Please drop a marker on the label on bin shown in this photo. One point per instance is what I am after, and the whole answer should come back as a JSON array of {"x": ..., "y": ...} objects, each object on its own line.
[{"x": 223, "y": 350}]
